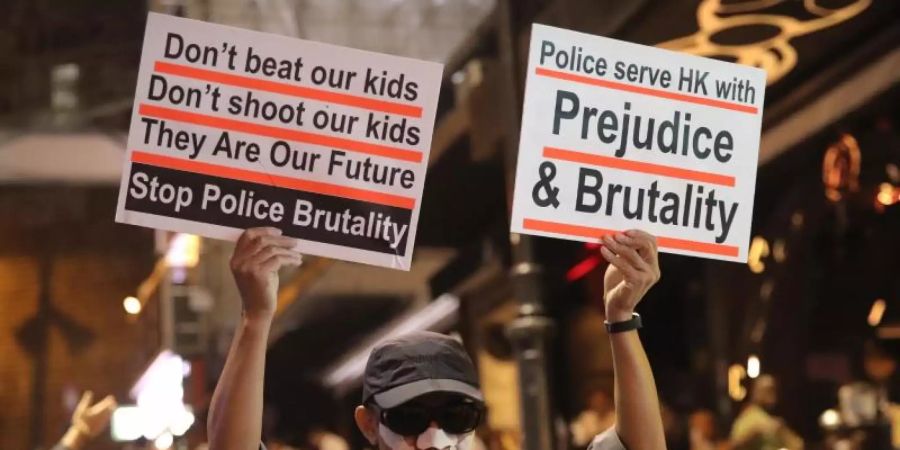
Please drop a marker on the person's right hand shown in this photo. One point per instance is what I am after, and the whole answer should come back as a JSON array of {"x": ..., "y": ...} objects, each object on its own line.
[{"x": 258, "y": 255}]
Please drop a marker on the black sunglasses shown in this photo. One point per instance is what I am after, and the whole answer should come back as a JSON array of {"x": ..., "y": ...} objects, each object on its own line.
[{"x": 413, "y": 420}]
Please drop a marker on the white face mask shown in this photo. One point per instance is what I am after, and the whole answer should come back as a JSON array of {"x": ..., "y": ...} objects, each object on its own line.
[{"x": 433, "y": 437}]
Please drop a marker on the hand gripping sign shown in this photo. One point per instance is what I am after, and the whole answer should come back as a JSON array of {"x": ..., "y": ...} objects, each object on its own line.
[
  {"x": 234, "y": 129},
  {"x": 617, "y": 136}
]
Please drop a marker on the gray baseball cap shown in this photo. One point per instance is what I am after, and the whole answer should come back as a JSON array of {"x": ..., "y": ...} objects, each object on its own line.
[{"x": 416, "y": 364}]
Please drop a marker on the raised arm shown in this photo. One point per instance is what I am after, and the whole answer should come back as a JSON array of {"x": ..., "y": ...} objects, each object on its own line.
[
  {"x": 235, "y": 418},
  {"x": 633, "y": 270}
]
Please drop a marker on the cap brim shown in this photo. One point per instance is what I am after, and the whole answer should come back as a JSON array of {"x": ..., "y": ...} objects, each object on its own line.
[{"x": 404, "y": 393}]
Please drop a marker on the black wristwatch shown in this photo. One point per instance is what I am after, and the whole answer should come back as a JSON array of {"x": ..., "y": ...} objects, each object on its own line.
[{"x": 620, "y": 327}]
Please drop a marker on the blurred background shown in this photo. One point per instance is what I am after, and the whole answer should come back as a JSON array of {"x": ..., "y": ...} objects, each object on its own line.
[{"x": 87, "y": 304}]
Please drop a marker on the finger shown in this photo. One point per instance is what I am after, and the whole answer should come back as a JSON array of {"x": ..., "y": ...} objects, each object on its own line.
[
  {"x": 244, "y": 241},
  {"x": 646, "y": 240},
  {"x": 647, "y": 248},
  {"x": 251, "y": 234},
  {"x": 278, "y": 261},
  {"x": 627, "y": 252},
  {"x": 630, "y": 273},
  {"x": 107, "y": 404},
  {"x": 267, "y": 253},
  {"x": 85, "y": 401},
  {"x": 633, "y": 251},
  {"x": 262, "y": 242},
  {"x": 281, "y": 241},
  {"x": 257, "y": 244}
]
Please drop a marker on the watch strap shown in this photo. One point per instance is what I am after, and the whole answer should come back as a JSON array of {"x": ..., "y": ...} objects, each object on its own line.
[{"x": 620, "y": 327}]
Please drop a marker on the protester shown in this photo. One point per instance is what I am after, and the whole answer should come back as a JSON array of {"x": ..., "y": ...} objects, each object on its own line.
[
  {"x": 88, "y": 421},
  {"x": 276, "y": 444},
  {"x": 881, "y": 369},
  {"x": 756, "y": 428},
  {"x": 599, "y": 415},
  {"x": 865, "y": 405},
  {"x": 702, "y": 431},
  {"x": 675, "y": 428},
  {"x": 325, "y": 440},
  {"x": 421, "y": 391}
]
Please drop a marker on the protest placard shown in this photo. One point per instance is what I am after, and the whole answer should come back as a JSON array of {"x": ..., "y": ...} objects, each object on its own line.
[
  {"x": 618, "y": 136},
  {"x": 235, "y": 128}
]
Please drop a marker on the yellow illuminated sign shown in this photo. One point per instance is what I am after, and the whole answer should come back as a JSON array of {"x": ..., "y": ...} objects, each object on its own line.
[{"x": 774, "y": 54}]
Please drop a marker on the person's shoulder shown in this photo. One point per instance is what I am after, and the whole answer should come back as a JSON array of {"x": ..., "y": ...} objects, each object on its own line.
[
  {"x": 608, "y": 440},
  {"x": 749, "y": 412},
  {"x": 747, "y": 420}
]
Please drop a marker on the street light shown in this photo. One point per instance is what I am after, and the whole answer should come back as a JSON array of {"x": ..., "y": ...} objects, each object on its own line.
[
  {"x": 132, "y": 305},
  {"x": 753, "y": 366},
  {"x": 877, "y": 312}
]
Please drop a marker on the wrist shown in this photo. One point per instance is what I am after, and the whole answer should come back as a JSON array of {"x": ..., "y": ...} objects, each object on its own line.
[
  {"x": 614, "y": 315},
  {"x": 257, "y": 320},
  {"x": 74, "y": 438},
  {"x": 258, "y": 315}
]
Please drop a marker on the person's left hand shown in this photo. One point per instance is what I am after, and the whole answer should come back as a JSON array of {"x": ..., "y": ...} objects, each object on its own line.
[
  {"x": 93, "y": 419},
  {"x": 88, "y": 420},
  {"x": 633, "y": 270}
]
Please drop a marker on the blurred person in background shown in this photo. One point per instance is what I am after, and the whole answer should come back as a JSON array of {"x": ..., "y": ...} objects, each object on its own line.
[
  {"x": 598, "y": 417},
  {"x": 756, "y": 428},
  {"x": 88, "y": 421},
  {"x": 314, "y": 440},
  {"x": 675, "y": 427},
  {"x": 320, "y": 439},
  {"x": 420, "y": 391},
  {"x": 881, "y": 369},
  {"x": 866, "y": 406},
  {"x": 277, "y": 444},
  {"x": 702, "y": 432}
]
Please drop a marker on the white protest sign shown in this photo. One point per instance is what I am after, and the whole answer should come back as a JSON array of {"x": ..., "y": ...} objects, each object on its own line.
[
  {"x": 618, "y": 136},
  {"x": 234, "y": 129}
]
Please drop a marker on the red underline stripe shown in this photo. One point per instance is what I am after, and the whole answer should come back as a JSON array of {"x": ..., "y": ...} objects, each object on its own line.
[
  {"x": 597, "y": 233},
  {"x": 288, "y": 89},
  {"x": 251, "y": 176},
  {"x": 644, "y": 90},
  {"x": 637, "y": 166},
  {"x": 280, "y": 133}
]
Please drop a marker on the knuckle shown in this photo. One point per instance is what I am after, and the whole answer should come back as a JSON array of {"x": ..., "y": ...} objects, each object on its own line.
[{"x": 246, "y": 269}]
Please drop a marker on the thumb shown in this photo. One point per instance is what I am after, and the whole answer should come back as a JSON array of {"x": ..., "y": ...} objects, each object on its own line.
[{"x": 108, "y": 404}]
